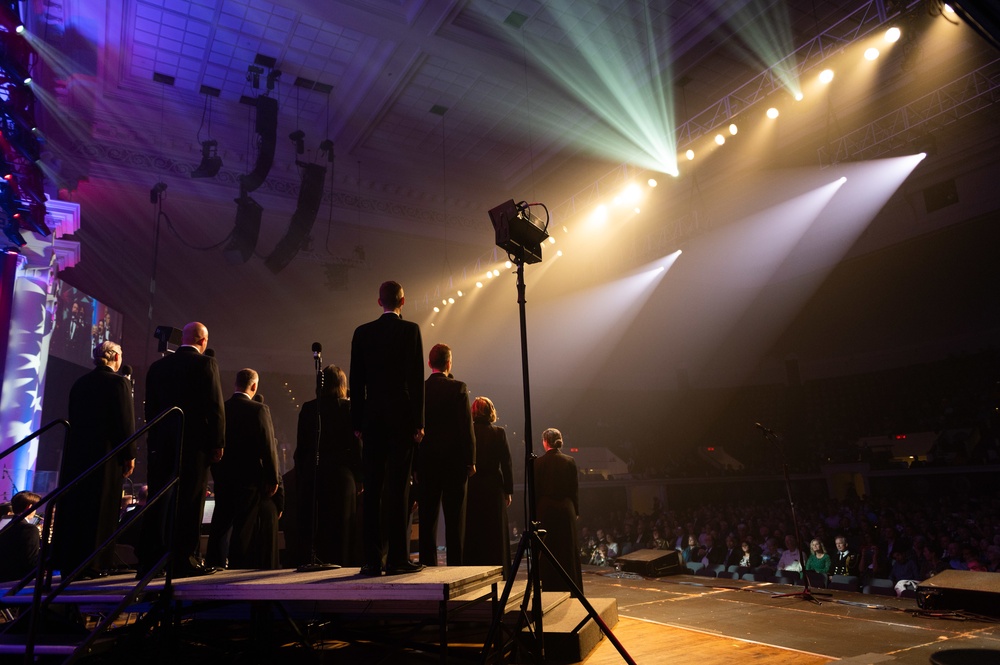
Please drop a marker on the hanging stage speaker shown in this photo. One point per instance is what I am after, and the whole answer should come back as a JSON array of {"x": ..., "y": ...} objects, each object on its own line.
[
  {"x": 967, "y": 590},
  {"x": 652, "y": 563}
]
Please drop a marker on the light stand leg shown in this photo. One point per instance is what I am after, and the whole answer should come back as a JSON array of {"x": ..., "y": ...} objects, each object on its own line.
[{"x": 531, "y": 539}]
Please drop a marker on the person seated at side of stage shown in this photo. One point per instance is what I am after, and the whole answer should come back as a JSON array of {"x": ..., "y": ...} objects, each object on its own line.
[
  {"x": 21, "y": 542},
  {"x": 791, "y": 557},
  {"x": 733, "y": 553},
  {"x": 749, "y": 557},
  {"x": 843, "y": 561},
  {"x": 819, "y": 561},
  {"x": 693, "y": 551},
  {"x": 713, "y": 554}
]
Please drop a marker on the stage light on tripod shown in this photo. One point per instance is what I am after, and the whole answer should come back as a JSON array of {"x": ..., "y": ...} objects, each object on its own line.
[
  {"x": 508, "y": 265},
  {"x": 496, "y": 273},
  {"x": 436, "y": 308},
  {"x": 479, "y": 285},
  {"x": 892, "y": 35}
]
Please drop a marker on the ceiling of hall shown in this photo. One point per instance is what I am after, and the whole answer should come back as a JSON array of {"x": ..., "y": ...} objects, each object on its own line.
[{"x": 436, "y": 111}]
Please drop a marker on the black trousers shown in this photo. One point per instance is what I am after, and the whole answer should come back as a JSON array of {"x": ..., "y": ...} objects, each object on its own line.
[
  {"x": 444, "y": 487},
  {"x": 388, "y": 463}
]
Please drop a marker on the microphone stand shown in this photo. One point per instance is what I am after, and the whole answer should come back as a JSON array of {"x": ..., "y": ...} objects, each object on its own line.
[
  {"x": 806, "y": 593},
  {"x": 314, "y": 563}
]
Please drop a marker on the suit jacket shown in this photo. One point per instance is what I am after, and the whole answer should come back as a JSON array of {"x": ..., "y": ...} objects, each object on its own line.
[
  {"x": 102, "y": 415},
  {"x": 387, "y": 376},
  {"x": 449, "y": 439},
  {"x": 251, "y": 458},
  {"x": 190, "y": 380}
]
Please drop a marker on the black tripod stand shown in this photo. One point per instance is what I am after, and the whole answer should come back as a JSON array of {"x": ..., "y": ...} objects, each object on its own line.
[
  {"x": 532, "y": 543},
  {"x": 806, "y": 593},
  {"x": 314, "y": 562}
]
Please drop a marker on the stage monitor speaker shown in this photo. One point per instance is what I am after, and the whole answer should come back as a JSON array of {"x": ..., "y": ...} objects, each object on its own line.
[
  {"x": 967, "y": 590},
  {"x": 652, "y": 563}
]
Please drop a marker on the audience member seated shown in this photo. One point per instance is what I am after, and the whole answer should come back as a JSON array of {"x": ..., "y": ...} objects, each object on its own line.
[
  {"x": 749, "y": 557},
  {"x": 694, "y": 551},
  {"x": 791, "y": 558},
  {"x": 819, "y": 561},
  {"x": 713, "y": 555},
  {"x": 843, "y": 561},
  {"x": 733, "y": 554}
]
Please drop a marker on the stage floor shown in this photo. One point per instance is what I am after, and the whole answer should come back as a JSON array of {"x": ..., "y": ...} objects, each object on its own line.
[{"x": 677, "y": 619}]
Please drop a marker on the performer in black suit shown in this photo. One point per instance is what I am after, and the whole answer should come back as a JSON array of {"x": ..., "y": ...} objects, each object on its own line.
[
  {"x": 387, "y": 410},
  {"x": 245, "y": 477},
  {"x": 446, "y": 459},
  {"x": 338, "y": 479},
  {"x": 20, "y": 543},
  {"x": 187, "y": 378},
  {"x": 557, "y": 503},
  {"x": 101, "y": 415},
  {"x": 487, "y": 536}
]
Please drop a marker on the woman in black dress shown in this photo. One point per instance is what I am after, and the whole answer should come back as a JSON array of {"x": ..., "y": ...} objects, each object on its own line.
[
  {"x": 557, "y": 503},
  {"x": 337, "y": 478},
  {"x": 490, "y": 492}
]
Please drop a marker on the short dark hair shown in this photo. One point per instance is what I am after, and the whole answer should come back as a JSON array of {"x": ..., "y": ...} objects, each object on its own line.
[
  {"x": 439, "y": 356},
  {"x": 390, "y": 294},
  {"x": 23, "y": 500},
  {"x": 244, "y": 378}
]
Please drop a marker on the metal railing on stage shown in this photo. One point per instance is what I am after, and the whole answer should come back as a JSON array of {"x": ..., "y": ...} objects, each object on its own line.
[{"x": 42, "y": 575}]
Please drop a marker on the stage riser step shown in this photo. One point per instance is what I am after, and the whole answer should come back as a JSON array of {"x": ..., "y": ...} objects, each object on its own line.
[
  {"x": 40, "y": 649},
  {"x": 563, "y": 642}
]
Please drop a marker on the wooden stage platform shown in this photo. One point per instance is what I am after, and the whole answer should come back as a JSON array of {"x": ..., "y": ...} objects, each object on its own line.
[{"x": 346, "y": 618}]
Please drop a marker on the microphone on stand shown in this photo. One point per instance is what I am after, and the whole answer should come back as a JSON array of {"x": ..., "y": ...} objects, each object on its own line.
[
  {"x": 210, "y": 352},
  {"x": 126, "y": 371},
  {"x": 317, "y": 349}
]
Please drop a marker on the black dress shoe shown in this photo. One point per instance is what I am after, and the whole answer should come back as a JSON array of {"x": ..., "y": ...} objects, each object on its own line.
[
  {"x": 195, "y": 571},
  {"x": 370, "y": 570},
  {"x": 404, "y": 568},
  {"x": 92, "y": 574}
]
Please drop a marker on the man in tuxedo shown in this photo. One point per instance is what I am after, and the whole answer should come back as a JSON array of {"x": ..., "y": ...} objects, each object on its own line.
[
  {"x": 102, "y": 417},
  {"x": 189, "y": 379},
  {"x": 246, "y": 476},
  {"x": 446, "y": 459},
  {"x": 387, "y": 412}
]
